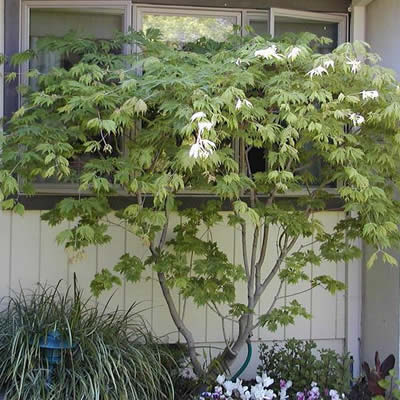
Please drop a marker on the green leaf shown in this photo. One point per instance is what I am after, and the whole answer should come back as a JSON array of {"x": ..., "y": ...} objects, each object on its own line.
[{"x": 103, "y": 281}]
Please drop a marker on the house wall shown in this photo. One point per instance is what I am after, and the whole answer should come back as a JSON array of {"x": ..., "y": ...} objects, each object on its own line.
[
  {"x": 383, "y": 31},
  {"x": 29, "y": 255},
  {"x": 381, "y": 284}
]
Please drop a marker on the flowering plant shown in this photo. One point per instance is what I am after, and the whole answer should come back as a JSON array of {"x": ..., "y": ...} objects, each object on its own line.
[{"x": 228, "y": 390}]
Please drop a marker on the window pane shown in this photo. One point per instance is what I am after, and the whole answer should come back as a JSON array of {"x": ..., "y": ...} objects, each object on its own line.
[
  {"x": 284, "y": 24},
  {"x": 178, "y": 29},
  {"x": 98, "y": 23},
  {"x": 259, "y": 23},
  {"x": 260, "y": 27}
]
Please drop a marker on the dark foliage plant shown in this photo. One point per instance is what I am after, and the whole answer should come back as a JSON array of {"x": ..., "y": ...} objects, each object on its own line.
[
  {"x": 302, "y": 363},
  {"x": 373, "y": 382},
  {"x": 113, "y": 357}
]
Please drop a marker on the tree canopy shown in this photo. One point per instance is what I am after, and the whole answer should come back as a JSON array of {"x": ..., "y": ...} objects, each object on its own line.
[{"x": 156, "y": 123}]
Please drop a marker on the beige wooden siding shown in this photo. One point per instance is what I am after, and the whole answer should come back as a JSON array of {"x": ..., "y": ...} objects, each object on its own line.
[{"x": 29, "y": 254}]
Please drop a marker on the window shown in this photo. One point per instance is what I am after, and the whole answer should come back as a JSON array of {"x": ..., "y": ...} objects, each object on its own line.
[
  {"x": 258, "y": 21},
  {"x": 98, "y": 19},
  {"x": 180, "y": 25},
  {"x": 328, "y": 25},
  {"x": 289, "y": 21},
  {"x": 99, "y": 23}
]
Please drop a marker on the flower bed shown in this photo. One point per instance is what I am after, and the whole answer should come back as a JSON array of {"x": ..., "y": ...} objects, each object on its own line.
[{"x": 228, "y": 390}]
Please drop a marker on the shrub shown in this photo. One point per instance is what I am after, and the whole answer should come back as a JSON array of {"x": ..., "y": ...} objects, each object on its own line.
[
  {"x": 300, "y": 362},
  {"x": 112, "y": 356}
]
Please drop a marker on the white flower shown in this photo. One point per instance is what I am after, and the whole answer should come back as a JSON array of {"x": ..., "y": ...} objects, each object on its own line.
[
  {"x": 198, "y": 115},
  {"x": 369, "y": 94},
  {"x": 355, "y": 65},
  {"x": 195, "y": 150},
  {"x": 284, "y": 387},
  {"x": 294, "y": 53},
  {"x": 334, "y": 394},
  {"x": 329, "y": 63},
  {"x": 229, "y": 387},
  {"x": 317, "y": 71},
  {"x": 108, "y": 148},
  {"x": 357, "y": 119},
  {"x": 243, "y": 390},
  {"x": 205, "y": 125},
  {"x": 260, "y": 393},
  {"x": 246, "y": 395},
  {"x": 269, "y": 394},
  {"x": 238, "y": 61},
  {"x": 203, "y": 148},
  {"x": 245, "y": 102},
  {"x": 268, "y": 53},
  {"x": 220, "y": 379},
  {"x": 265, "y": 380}
]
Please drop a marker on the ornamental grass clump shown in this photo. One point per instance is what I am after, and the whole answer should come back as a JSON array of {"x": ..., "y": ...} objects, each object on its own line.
[{"x": 111, "y": 356}]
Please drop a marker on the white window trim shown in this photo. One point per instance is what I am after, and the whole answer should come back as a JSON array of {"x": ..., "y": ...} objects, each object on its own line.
[
  {"x": 140, "y": 9},
  {"x": 27, "y": 6},
  {"x": 340, "y": 19}
]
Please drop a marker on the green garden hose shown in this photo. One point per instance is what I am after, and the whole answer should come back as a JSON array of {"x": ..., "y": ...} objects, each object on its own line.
[{"x": 246, "y": 362}]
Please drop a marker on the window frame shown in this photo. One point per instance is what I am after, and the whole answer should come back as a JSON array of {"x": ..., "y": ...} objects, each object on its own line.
[
  {"x": 256, "y": 15},
  {"x": 340, "y": 19},
  {"x": 24, "y": 39},
  {"x": 133, "y": 19},
  {"x": 27, "y": 6}
]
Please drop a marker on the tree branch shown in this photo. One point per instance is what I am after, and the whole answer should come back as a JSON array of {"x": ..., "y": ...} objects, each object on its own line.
[
  {"x": 276, "y": 298},
  {"x": 244, "y": 249},
  {"x": 180, "y": 325},
  {"x": 263, "y": 253},
  {"x": 276, "y": 267},
  {"x": 250, "y": 283}
]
